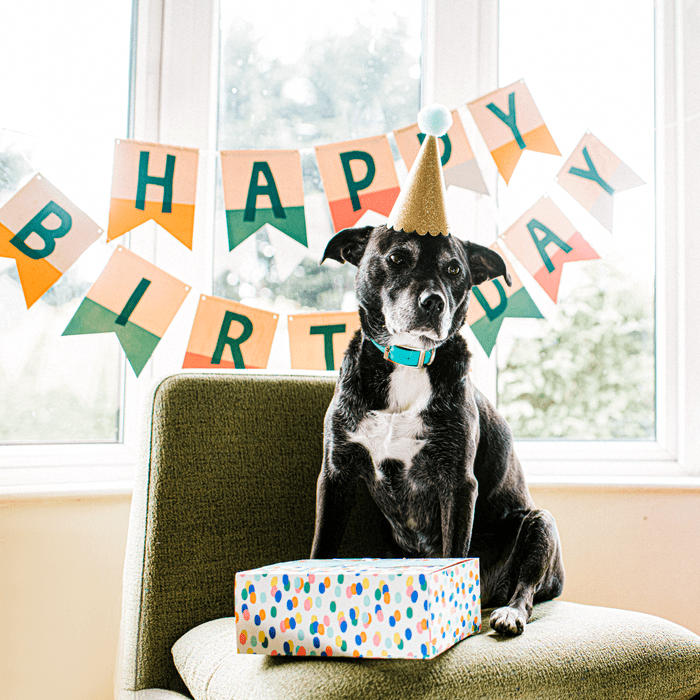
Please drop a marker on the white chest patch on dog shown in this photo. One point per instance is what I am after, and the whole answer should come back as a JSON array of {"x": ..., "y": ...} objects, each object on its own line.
[{"x": 395, "y": 433}]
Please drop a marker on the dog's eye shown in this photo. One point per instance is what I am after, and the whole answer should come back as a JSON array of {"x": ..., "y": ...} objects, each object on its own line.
[
  {"x": 454, "y": 269},
  {"x": 397, "y": 259}
]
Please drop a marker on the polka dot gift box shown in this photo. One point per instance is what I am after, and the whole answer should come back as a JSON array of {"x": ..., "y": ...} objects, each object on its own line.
[{"x": 379, "y": 608}]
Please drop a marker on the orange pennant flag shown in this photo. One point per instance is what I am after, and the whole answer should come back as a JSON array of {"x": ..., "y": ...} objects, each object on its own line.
[
  {"x": 544, "y": 240},
  {"x": 358, "y": 176},
  {"x": 45, "y": 233},
  {"x": 510, "y": 122},
  {"x": 319, "y": 341},
  {"x": 227, "y": 334},
  {"x": 152, "y": 181}
]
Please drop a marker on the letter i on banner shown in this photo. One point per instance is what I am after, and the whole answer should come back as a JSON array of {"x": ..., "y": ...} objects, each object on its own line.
[
  {"x": 544, "y": 240},
  {"x": 459, "y": 164},
  {"x": 319, "y": 341},
  {"x": 134, "y": 299},
  {"x": 151, "y": 181},
  {"x": 593, "y": 174},
  {"x": 492, "y": 302},
  {"x": 229, "y": 335},
  {"x": 45, "y": 233},
  {"x": 263, "y": 187},
  {"x": 510, "y": 122},
  {"x": 358, "y": 177}
]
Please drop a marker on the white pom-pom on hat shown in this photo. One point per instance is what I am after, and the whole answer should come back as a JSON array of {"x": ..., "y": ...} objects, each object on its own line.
[{"x": 434, "y": 120}]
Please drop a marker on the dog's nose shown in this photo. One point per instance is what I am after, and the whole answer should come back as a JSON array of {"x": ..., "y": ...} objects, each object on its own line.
[{"x": 432, "y": 302}]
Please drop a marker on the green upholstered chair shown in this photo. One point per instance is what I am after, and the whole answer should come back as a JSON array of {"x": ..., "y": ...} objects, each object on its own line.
[{"x": 228, "y": 483}]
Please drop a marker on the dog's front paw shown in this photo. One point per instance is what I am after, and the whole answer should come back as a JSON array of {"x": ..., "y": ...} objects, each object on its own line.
[{"x": 508, "y": 621}]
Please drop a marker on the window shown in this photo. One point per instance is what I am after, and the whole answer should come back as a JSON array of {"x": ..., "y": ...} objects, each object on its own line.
[
  {"x": 205, "y": 87},
  {"x": 65, "y": 87}
]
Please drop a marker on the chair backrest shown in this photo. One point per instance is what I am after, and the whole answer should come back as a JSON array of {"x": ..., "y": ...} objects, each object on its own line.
[{"x": 228, "y": 484}]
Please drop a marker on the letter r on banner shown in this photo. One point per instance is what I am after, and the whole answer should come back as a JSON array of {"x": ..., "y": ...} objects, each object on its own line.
[{"x": 233, "y": 343}]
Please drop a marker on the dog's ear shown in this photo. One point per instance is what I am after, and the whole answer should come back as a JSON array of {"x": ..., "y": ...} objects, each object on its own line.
[
  {"x": 485, "y": 264},
  {"x": 348, "y": 245}
]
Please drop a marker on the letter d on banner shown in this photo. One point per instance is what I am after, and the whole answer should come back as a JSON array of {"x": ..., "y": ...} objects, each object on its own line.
[{"x": 229, "y": 335}]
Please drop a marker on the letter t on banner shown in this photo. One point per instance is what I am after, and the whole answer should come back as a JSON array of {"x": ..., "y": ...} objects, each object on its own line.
[
  {"x": 319, "y": 341},
  {"x": 45, "y": 233},
  {"x": 151, "y": 181}
]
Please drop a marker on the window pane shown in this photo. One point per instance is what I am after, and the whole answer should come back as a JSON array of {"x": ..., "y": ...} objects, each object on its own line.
[
  {"x": 587, "y": 371},
  {"x": 320, "y": 73},
  {"x": 65, "y": 99}
]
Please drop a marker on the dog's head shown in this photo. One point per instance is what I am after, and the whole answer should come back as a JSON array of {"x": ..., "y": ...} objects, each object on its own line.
[{"x": 413, "y": 290}]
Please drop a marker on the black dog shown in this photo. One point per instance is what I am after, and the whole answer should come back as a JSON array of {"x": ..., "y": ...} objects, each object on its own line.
[{"x": 435, "y": 455}]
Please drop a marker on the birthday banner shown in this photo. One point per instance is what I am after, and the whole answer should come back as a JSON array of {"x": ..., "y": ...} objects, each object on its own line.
[
  {"x": 358, "y": 176},
  {"x": 458, "y": 161},
  {"x": 134, "y": 299},
  {"x": 263, "y": 187},
  {"x": 510, "y": 122},
  {"x": 319, "y": 341},
  {"x": 45, "y": 233},
  {"x": 492, "y": 303},
  {"x": 152, "y": 181},
  {"x": 229, "y": 335}
]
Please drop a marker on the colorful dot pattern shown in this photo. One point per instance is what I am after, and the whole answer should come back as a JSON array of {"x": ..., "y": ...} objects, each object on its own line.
[{"x": 371, "y": 608}]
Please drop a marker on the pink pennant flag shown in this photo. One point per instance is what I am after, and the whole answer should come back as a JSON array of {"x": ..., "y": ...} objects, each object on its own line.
[{"x": 544, "y": 240}]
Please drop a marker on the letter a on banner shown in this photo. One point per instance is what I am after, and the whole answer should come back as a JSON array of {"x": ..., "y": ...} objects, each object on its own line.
[
  {"x": 459, "y": 165},
  {"x": 319, "y": 341},
  {"x": 151, "y": 181},
  {"x": 358, "y": 176},
  {"x": 263, "y": 187},
  {"x": 493, "y": 302},
  {"x": 45, "y": 233},
  {"x": 593, "y": 174},
  {"x": 229, "y": 335},
  {"x": 510, "y": 122},
  {"x": 134, "y": 299},
  {"x": 544, "y": 240}
]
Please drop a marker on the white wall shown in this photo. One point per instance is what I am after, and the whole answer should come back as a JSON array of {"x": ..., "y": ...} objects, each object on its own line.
[{"x": 61, "y": 564}]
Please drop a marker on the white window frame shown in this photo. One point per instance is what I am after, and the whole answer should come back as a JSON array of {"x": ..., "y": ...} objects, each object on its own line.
[{"x": 174, "y": 101}]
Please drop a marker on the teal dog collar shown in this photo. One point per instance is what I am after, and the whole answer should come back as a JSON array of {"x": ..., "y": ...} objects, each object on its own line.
[{"x": 406, "y": 356}]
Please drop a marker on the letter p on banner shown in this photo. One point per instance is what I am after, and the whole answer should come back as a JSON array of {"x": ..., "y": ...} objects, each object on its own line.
[
  {"x": 229, "y": 335},
  {"x": 151, "y": 181},
  {"x": 45, "y": 233}
]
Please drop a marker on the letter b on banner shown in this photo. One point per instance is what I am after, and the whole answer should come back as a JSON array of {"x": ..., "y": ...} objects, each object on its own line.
[{"x": 47, "y": 235}]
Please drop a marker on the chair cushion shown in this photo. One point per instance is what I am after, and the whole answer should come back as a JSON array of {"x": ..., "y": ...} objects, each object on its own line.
[{"x": 567, "y": 651}]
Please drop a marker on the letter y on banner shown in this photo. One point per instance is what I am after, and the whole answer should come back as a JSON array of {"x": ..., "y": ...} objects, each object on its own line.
[
  {"x": 510, "y": 122},
  {"x": 134, "y": 299},
  {"x": 151, "y": 181},
  {"x": 45, "y": 233}
]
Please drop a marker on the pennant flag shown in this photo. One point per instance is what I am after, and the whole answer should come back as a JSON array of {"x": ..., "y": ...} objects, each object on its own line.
[
  {"x": 543, "y": 240},
  {"x": 358, "y": 176},
  {"x": 593, "y": 174},
  {"x": 459, "y": 165},
  {"x": 263, "y": 187},
  {"x": 319, "y": 341},
  {"x": 492, "y": 302},
  {"x": 151, "y": 181},
  {"x": 228, "y": 335},
  {"x": 134, "y": 299},
  {"x": 510, "y": 122},
  {"x": 45, "y": 233}
]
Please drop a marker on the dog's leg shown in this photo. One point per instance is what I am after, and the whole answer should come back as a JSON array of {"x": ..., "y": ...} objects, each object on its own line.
[
  {"x": 535, "y": 571},
  {"x": 335, "y": 497},
  {"x": 457, "y": 514}
]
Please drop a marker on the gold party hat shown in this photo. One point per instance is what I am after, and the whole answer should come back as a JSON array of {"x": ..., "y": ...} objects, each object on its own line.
[{"x": 420, "y": 206}]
